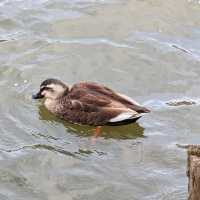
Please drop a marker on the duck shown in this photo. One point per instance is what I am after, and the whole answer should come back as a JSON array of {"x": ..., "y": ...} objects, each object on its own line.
[{"x": 89, "y": 103}]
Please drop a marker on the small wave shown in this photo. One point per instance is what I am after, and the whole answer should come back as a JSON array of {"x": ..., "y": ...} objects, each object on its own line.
[
  {"x": 79, "y": 154},
  {"x": 91, "y": 41},
  {"x": 166, "y": 43},
  {"x": 159, "y": 104},
  {"x": 44, "y": 147},
  {"x": 155, "y": 104},
  {"x": 181, "y": 103}
]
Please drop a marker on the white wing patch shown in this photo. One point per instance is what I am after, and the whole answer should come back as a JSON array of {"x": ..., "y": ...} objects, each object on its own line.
[
  {"x": 129, "y": 99},
  {"x": 124, "y": 116}
]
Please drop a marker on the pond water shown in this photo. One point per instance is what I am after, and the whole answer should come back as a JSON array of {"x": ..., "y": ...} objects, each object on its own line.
[{"x": 147, "y": 49}]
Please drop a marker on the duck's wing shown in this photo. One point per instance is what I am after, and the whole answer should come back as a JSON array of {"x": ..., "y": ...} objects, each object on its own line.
[
  {"x": 95, "y": 112},
  {"x": 110, "y": 94},
  {"x": 86, "y": 107},
  {"x": 85, "y": 96}
]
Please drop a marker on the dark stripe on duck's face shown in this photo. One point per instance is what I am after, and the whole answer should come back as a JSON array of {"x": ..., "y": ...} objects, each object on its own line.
[{"x": 39, "y": 95}]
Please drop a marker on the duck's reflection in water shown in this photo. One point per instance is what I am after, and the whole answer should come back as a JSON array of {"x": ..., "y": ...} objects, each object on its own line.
[{"x": 131, "y": 131}]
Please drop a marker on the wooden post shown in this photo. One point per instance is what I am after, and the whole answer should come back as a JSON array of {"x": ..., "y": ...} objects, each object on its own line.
[{"x": 193, "y": 172}]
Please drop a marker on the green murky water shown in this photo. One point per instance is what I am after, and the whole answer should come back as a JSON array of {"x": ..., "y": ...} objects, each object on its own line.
[{"x": 147, "y": 49}]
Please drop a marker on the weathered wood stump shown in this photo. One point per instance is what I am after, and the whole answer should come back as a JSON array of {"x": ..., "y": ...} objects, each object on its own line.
[{"x": 193, "y": 172}]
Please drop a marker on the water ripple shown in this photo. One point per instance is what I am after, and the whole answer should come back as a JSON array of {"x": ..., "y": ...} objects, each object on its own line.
[
  {"x": 91, "y": 41},
  {"x": 44, "y": 147},
  {"x": 156, "y": 104},
  {"x": 168, "y": 44}
]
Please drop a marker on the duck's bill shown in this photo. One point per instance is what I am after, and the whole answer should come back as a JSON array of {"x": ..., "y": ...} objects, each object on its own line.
[{"x": 37, "y": 96}]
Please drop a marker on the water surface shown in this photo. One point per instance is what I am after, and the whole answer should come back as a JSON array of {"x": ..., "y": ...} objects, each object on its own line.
[{"x": 146, "y": 49}]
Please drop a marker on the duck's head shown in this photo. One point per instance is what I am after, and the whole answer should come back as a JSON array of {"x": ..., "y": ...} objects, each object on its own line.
[{"x": 51, "y": 89}]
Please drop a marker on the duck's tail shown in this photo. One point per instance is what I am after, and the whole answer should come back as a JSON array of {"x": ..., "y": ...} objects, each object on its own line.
[{"x": 124, "y": 118}]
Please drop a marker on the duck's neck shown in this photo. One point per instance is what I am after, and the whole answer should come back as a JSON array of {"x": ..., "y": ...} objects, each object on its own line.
[{"x": 50, "y": 104}]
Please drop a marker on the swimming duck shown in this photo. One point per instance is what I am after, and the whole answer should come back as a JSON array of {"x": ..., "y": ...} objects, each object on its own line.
[{"x": 89, "y": 103}]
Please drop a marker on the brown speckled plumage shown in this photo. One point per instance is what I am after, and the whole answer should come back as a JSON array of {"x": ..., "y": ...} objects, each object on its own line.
[{"x": 88, "y": 103}]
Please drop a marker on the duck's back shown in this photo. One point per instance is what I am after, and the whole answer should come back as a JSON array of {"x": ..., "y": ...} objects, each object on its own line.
[
  {"x": 103, "y": 93},
  {"x": 94, "y": 104}
]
